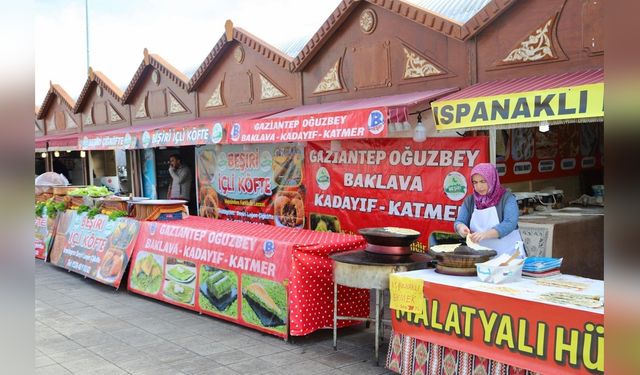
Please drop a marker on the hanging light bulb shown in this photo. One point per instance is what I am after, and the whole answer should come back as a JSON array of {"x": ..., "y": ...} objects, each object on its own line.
[
  {"x": 420, "y": 132},
  {"x": 56, "y": 154},
  {"x": 406, "y": 125},
  {"x": 43, "y": 155},
  {"x": 68, "y": 151},
  {"x": 83, "y": 154},
  {"x": 544, "y": 126}
]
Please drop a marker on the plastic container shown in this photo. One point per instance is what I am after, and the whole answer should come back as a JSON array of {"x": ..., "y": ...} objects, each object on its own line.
[
  {"x": 598, "y": 192},
  {"x": 526, "y": 202},
  {"x": 492, "y": 272}
]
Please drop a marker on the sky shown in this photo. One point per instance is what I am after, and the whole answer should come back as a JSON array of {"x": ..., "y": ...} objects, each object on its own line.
[{"x": 183, "y": 32}]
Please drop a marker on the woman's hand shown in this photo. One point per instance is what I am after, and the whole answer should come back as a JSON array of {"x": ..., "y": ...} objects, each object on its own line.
[
  {"x": 463, "y": 230},
  {"x": 479, "y": 236}
]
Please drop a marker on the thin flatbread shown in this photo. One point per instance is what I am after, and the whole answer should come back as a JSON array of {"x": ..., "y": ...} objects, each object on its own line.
[
  {"x": 474, "y": 245},
  {"x": 566, "y": 284},
  {"x": 444, "y": 248},
  {"x": 568, "y": 298}
]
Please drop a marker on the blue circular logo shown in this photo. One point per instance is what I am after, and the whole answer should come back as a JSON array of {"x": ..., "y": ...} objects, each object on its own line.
[
  {"x": 375, "y": 123},
  {"x": 269, "y": 248},
  {"x": 235, "y": 132},
  {"x": 152, "y": 228}
]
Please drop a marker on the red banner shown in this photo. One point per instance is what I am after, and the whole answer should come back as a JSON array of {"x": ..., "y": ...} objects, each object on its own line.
[
  {"x": 98, "y": 248},
  {"x": 352, "y": 124},
  {"x": 565, "y": 150},
  {"x": 203, "y": 267},
  {"x": 536, "y": 336},
  {"x": 390, "y": 182}
]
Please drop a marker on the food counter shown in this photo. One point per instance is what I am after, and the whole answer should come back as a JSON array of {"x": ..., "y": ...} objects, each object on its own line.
[
  {"x": 573, "y": 233},
  {"x": 550, "y": 325},
  {"x": 274, "y": 279}
]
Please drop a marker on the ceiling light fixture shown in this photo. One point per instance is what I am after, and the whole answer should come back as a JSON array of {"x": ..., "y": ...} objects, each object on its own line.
[{"x": 420, "y": 132}]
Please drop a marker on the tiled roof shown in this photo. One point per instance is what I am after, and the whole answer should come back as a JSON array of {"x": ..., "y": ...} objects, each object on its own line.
[
  {"x": 161, "y": 65},
  {"x": 233, "y": 33},
  {"x": 103, "y": 81},
  {"x": 428, "y": 18},
  {"x": 55, "y": 90}
]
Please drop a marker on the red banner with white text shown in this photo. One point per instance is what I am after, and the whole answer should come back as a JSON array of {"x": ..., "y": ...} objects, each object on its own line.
[
  {"x": 390, "y": 182},
  {"x": 208, "y": 266},
  {"x": 353, "y": 124},
  {"x": 541, "y": 337}
]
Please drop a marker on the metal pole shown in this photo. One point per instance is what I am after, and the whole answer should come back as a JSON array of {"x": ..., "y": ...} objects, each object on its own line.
[
  {"x": 86, "y": 16},
  {"x": 492, "y": 146},
  {"x": 377, "y": 325},
  {"x": 335, "y": 315}
]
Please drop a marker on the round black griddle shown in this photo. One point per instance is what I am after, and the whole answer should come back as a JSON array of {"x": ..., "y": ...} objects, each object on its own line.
[
  {"x": 385, "y": 242},
  {"x": 363, "y": 257}
]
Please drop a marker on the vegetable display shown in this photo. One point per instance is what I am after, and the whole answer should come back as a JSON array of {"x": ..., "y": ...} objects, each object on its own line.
[
  {"x": 91, "y": 191},
  {"x": 50, "y": 207}
]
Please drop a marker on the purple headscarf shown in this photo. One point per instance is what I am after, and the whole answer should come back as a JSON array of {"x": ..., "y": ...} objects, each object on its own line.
[{"x": 496, "y": 191}]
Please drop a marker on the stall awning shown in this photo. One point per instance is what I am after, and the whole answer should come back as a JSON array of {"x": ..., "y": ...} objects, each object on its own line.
[
  {"x": 363, "y": 118},
  {"x": 199, "y": 131},
  {"x": 57, "y": 142},
  {"x": 41, "y": 144},
  {"x": 553, "y": 99}
]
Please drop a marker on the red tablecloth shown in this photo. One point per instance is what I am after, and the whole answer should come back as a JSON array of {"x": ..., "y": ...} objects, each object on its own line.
[{"x": 301, "y": 258}]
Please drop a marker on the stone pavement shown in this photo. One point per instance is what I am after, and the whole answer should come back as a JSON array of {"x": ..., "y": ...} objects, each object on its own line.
[{"x": 83, "y": 327}]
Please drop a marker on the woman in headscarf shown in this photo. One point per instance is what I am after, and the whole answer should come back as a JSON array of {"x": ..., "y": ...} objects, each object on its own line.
[{"x": 489, "y": 216}]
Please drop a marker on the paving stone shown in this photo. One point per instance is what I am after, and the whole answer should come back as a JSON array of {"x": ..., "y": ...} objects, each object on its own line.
[
  {"x": 195, "y": 365},
  {"x": 229, "y": 357},
  {"x": 365, "y": 368},
  {"x": 86, "y": 365},
  {"x": 262, "y": 349},
  {"x": 283, "y": 358},
  {"x": 252, "y": 366},
  {"x": 307, "y": 367},
  {"x": 217, "y": 371},
  {"x": 43, "y": 360},
  {"x": 52, "y": 370},
  {"x": 338, "y": 359}
]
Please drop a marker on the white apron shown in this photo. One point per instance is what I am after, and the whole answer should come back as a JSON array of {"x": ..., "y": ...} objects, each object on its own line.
[{"x": 485, "y": 219}]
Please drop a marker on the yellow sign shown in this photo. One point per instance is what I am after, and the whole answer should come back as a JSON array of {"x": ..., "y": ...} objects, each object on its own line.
[
  {"x": 563, "y": 103},
  {"x": 406, "y": 294}
]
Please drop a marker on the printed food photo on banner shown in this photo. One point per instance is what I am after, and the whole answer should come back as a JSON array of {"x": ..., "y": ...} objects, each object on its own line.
[
  {"x": 525, "y": 154},
  {"x": 147, "y": 271},
  {"x": 324, "y": 223},
  {"x": 180, "y": 281},
  {"x": 261, "y": 183},
  {"x": 371, "y": 183},
  {"x": 288, "y": 208},
  {"x": 264, "y": 303},
  {"x": 64, "y": 220},
  {"x": 208, "y": 196},
  {"x": 218, "y": 291}
]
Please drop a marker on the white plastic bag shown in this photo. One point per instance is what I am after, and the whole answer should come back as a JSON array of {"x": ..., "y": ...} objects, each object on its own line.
[{"x": 50, "y": 179}]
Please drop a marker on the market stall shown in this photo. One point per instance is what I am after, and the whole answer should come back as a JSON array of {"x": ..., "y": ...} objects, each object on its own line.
[
  {"x": 276, "y": 280},
  {"x": 465, "y": 326}
]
